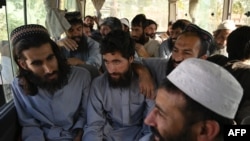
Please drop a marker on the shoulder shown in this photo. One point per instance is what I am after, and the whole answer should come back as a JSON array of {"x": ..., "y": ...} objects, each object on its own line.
[
  {"x": 91, "y": 42},
  {"x": 153, "y": 41},
  {"x": 155, "y": 61},
  {"x": 165, "y": 43},
  {"x": 101, "y": 79},
  {"x": 79, "y": 71},
  {"x": 15, "y": 82}
]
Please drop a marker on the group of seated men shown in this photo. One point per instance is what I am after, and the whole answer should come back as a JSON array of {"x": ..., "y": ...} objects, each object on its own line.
[{"x": 137, "y": 96}]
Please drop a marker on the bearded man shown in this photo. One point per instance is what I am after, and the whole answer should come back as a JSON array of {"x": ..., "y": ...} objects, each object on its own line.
[
  {"x": 116, "y": 107},
  {"x": 50, "y": 96},
  {"x": 78, "y": 48}
]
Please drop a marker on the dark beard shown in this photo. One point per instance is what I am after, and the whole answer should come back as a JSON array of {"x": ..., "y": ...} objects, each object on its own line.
[
  {"x": 51, "y": 86},
  {"x": 82, "y": 45},
  {"x": 171, "y": 44},
  {"x": 142, "y": 40},
  {"x": 170, "y": 65},
  {"x": 124, "y": 81},
  {"x": 184, "y": 135},
  {"x": 151, "y": 35}
]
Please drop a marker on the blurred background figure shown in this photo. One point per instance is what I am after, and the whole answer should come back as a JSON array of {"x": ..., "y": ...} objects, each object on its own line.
[
  {"x": 89, "y": 20},
  {"x": 125, "y": 24},
  {"x": 238, "y": 48},
  {"x": 150, "y": 30},
  {"x": 167, "y": 46},
  {"x": 109, "y": 24},
  {"x": 169, "y": 31},
  {"x": 86, "y": 30},
  {"x": 145, "y": 46},
  {"x": 220, "y": 36}
]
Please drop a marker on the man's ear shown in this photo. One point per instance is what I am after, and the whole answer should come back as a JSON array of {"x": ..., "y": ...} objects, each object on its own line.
[
  {"x": 208, "y": 130},
  {"x": 131, "y": 59},
  {"x": 204, "y": 57},
  {"x": 23, "y": 64}
]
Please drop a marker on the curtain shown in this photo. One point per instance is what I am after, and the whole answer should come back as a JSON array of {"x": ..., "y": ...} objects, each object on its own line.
[
  {"x": 193, "y": 9},
  {"x": 98, "y": 5},
  {"x": 55, "y": 20},
  {"x": 73, "y": 5}
]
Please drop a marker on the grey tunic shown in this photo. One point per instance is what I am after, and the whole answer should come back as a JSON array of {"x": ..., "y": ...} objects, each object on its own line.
[
  {"x": 116, "y": 114},
  {"x": 53, "y": 117}
]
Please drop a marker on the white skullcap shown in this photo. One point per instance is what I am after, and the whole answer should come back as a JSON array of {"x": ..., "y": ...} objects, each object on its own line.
[
  {"x": 208, "y": 84},
  {"x": 125, "y": 21},
  {"x": 227, "y": 24}
]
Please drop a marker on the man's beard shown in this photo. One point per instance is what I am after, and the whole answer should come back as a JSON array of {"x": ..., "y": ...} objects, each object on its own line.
[
  {"x": 123, "y": 81},
  {"x": 174, "y": 62},
  {"x": 49, "y": 85},
  {"x": 82, "y": 44},
  {"x": 218, "y": 46},
  {"x": 152, "y": 35},
  {"x": 184, "y": 135},
  {"x": 142, "y": 40}
]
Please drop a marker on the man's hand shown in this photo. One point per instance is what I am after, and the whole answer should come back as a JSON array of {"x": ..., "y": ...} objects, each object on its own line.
[
  {"x": 141, "y": 51},
  {"x": 69, "y": 44},
  {"x": 78, "y": 136},
  {"x": 146, "y": 83},
  {"x": 75, "y": 61}
]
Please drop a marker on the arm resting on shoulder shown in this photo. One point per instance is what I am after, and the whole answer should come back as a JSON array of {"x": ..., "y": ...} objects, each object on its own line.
[{"x": 146, "y": 83}]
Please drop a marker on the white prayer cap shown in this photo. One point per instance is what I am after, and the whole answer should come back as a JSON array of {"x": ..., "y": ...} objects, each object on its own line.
[
  {"x": 208, "y": 84},
  {"x": 125, "y": 21},
  {"x": 227, "y": 24}
]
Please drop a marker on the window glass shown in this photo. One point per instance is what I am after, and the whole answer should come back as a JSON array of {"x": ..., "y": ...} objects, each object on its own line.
[
  {"x": 13, "y": 14},
  {"x": 208, "y": 14},
  {"x": 156, "y": 10},
  {"x": 6, "y": 67},
  {"x": 36, "y": 13},
  {"x": 241, "y": 12}
]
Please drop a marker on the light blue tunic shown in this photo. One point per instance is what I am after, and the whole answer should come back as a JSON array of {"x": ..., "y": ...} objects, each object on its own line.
[
  {"x": 164, "y": 49},
  {"x": 157, "y": 67},
  {"x": 53, "y": 116},
  {"x": 92, "y": 57},
  {"x": 116, "y": 114}
]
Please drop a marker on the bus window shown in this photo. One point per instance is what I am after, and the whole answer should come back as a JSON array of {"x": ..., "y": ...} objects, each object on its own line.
[
  {"x": 15, "y": 11},
  {"x": 156, "y": 10},
  {"x": 240, "y": 8},
  {"x": 6, "y": 69},
  {"x": 208, "y": 13},
  {"x": 36, "y": 13}
]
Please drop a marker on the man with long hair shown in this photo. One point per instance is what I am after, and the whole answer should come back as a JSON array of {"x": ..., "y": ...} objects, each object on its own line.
[{"x": 49, "y": 95}]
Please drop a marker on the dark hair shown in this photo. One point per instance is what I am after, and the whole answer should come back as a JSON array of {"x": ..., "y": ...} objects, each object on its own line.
[
  {"x": 113, "y": 23},
  {"x": 120, "y": 41},
  {"x": 237, "y": 40},
  {"x": 170, "y": 23},
  {"x": 35, "y": 42},
  {"x": 74, "y": 18},
  {"x": 195, "y": 112},
  {"x": 85, "y": 25},
  {"x": 207, "y": 40},
  {"x": 139, "y": 20},
  {"x": 181, "y": 23},
  {"x": 149, "y": 22},
  {"x": 218, "y": 59},
  {"x": 88, "y": 16}
]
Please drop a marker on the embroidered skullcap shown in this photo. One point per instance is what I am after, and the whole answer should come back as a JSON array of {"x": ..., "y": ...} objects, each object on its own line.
[
  {"x": 26, "y": 31},
  {"x": 208, "y": 84},
  {"x": 227, "y": 24}
]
